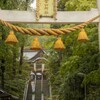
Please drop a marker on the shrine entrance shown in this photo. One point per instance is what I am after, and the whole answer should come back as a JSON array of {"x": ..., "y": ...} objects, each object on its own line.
[{"x": 37, "y": 83}]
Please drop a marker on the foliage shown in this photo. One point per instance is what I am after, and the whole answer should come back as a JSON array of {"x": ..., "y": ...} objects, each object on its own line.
[
  {"x": 80, "y": 5},
  {"x": 14, "y": 83},
  {"x": 77, "y": 75},
  {"x": 78, "y": 60},
  {"x": 76, "y": 5}
]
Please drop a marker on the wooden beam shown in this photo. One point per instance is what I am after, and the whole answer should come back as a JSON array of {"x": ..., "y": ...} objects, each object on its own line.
[{"x": 63, "y": 17}]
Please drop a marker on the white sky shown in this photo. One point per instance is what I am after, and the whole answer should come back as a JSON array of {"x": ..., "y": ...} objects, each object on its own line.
[{"x": 33, "y": 5}]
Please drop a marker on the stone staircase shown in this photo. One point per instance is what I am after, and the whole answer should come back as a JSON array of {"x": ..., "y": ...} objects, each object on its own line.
[
  {"x": 29, "y": 93},
  {"x": 45, "y": 89},
  {"x": 38, "y": 90}
]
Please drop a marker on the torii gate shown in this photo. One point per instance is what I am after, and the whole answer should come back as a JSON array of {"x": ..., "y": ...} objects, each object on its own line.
[{"x": 63, "y": 17}]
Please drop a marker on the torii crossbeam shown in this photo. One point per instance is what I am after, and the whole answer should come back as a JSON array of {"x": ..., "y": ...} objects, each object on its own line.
[{"x": 63, "y": 17}]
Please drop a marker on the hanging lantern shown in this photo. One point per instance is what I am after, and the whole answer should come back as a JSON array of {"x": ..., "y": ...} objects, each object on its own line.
[
  {"x": 35, "y": 45},
  {"x": 11, "y": 39},
  {"x": 82, "y": 36},
  {"x": 59, "y": 44}
]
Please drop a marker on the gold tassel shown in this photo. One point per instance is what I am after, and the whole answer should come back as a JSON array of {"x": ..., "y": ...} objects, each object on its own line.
[
  {"x": 11, "y": 39},
  {"x": 59, "y": 44},
  {"x": 82, "y": 36},
  {"x": 35, "y": 45}
]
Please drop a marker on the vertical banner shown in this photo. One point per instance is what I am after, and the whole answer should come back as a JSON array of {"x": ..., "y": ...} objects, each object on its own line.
[{"x": 46, "y": 8}]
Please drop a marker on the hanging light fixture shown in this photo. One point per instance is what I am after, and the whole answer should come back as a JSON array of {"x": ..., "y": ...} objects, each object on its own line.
[
  {"x": 35, "y": 45},
  {"x": 82, "y": 36},
  {"x": 59, "y": 44},
  {"x": 11, "y": 39}
]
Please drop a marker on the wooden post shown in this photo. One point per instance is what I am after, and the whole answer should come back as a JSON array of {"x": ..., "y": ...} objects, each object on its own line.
[{"x": 98, "y": 5}]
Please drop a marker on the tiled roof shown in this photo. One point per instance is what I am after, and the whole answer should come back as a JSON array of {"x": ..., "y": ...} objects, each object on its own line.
[{"x": 32, "y": 55}]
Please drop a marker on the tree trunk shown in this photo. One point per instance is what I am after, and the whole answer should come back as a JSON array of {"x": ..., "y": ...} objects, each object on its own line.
[
  {"x": 2, "y": 73},
  {"x": 60, "y": 58},
  {"x": 2, "y": 66},
  {"x": 14, "y": 63},
  {"x": 21, "y": 59}
]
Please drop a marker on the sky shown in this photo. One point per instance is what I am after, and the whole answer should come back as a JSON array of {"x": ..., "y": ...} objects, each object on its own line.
[{"x": 33, "y": 5}]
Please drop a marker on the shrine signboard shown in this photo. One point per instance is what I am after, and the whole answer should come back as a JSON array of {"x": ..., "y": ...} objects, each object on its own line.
[{"x": 46, "y": 8}]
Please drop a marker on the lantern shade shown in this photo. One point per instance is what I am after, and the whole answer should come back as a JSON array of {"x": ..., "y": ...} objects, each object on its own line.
[
  {"x": 59, "y": 44},
  {"x": 11, "y": 39},
  {"x": 35, "y": 45},
  {"x": 82, "y": 36}
]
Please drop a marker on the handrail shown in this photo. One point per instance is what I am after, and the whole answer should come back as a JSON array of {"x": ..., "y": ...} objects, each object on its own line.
[{"x": 25, "y": 90}]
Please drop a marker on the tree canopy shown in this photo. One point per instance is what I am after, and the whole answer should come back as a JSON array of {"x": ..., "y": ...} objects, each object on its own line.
[{"x": 77, "y": 75}]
